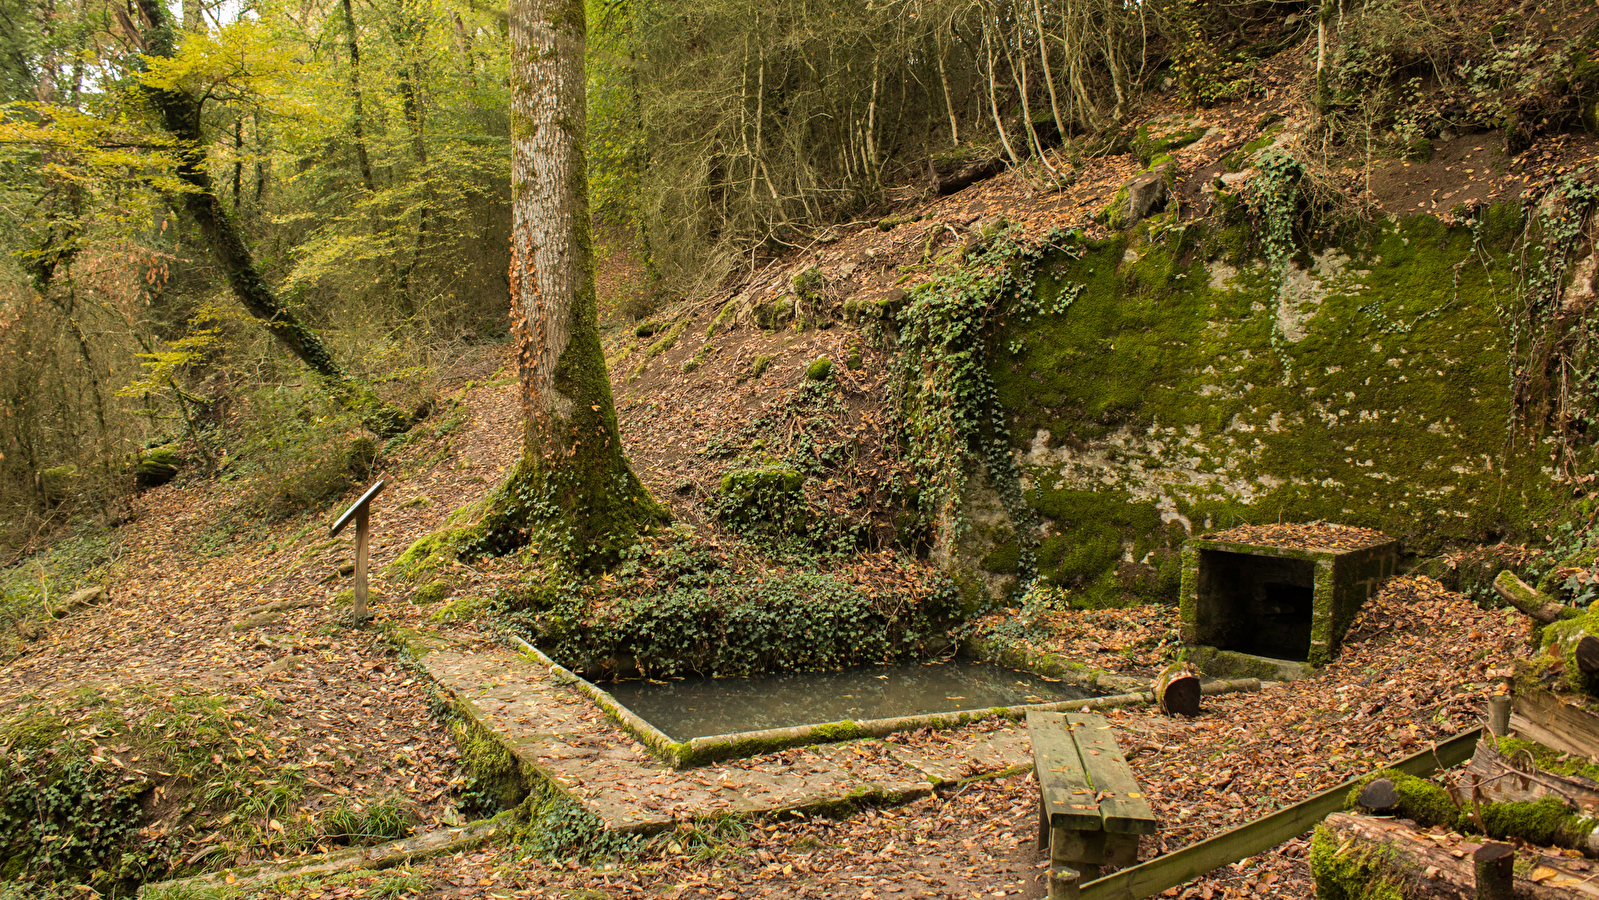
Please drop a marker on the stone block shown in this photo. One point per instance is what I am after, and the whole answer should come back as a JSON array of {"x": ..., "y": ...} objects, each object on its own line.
[{"x": 1281, "y": 592}]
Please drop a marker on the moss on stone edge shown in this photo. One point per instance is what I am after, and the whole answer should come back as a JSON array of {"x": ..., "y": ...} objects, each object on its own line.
[
  {"x": 699, "y": 753},
  {"x": 1351, "y": 873}
]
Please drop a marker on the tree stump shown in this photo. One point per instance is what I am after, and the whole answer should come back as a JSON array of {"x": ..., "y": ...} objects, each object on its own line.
[
  {"x": 1177, "y": 690},
  {"x": 1495, "y": 867},
  {"x": 1379, "y": 796},
  {"x": 1587, "y": 653}
]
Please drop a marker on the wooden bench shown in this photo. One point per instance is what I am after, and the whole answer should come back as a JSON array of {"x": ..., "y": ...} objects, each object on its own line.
[{"x": 1091, "y": 809}]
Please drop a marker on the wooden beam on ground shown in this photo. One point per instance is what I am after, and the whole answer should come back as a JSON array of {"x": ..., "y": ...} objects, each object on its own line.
[{"x": 1173, "y": 869}]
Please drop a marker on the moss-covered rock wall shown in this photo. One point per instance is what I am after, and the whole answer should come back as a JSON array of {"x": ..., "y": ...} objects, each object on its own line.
[{"x": 1185, "y": 387}]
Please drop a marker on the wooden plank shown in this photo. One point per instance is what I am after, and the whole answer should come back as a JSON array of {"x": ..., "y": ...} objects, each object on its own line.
[
  {"x": 349, "y": 514},
  {"x": 1121, "y": 800},
  {"x": 1173, "y": 869},
  {"x": 1068, "y": 796},
  {"x": 1555, "y": 723}
]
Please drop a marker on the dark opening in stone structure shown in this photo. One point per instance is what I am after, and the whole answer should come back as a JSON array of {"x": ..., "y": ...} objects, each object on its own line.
[
  {"x": 1284, "y": 592},
  {"x": 1258, "y": 605}
]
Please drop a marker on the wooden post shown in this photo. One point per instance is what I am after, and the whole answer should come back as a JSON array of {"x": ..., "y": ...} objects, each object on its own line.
[
  {"x": 363, "y": 536},
  {"x": 1498, "y": 714},
  {"x": 1495, "y": 869},
  {"x": 1065, "y": 883},
  {"x": 361, "y": 513}
]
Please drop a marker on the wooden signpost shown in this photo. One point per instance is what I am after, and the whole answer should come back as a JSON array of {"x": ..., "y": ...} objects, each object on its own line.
[{"x": 363, "y": 536}]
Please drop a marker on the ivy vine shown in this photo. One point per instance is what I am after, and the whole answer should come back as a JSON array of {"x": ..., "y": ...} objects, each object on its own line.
[{"x": 947, "y": 412}]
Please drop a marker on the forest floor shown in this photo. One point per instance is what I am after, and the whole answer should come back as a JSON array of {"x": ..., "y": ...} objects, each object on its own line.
[
  {"x": 207, "y": 605},
  {"x": 224, "y": 631}
]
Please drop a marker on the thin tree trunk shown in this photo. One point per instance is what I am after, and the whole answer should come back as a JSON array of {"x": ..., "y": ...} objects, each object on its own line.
[
  {"x": 180, "y": 116},
  {"x": 1049, "y": 75},
  {"x": 358, "y": 118},
  {"x": 573, "y": 486},
  {"x": 238, "y": 162},
  {"x": 993, "y": 102},
  {"x": 949, "y": 104},
  {"x": 1018, "y": 68},
  {"x": 410, "y": 85}
]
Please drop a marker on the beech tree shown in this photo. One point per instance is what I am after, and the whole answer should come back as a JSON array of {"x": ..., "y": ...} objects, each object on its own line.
[
  {"x": 573, "y": 488},
  {"x": 179, "y": 111}
]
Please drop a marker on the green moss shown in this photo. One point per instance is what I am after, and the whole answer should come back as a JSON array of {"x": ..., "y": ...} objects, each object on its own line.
[
  {"x": 59, "y": 484},
  {"x": 497, "y": 779},
  {"x": 1113, "y": 215},
  {"x": 775, "y": 314},
  {"x": 667, "y": 341},
  {"x": 432, "y": 552},
  {"x": 1176, "y": 376},
  {"x": 1417, "y": 150},
  {"x": 698, "y": 359},
  {"x": 1558, "y": 641},
  {"x": 1351, "y": 872},
  {"x": 854, "y": 361},
  {"x": 1419, "y": 799},
  {"x": 765, "y": 499},
  {"x": 724, "y": 319},
  {"x": 1545, "y": 821},
  {"x": 1227, "y": 664},
  {"x": 431, "y": 593},
  {"x": 1545, "y": 758},
  {"x": 809, "y": 283},
  {"x": 819, "y": 370},
  {"x": 1152, "y": 140},
  {"x": 1004, "y": 558},
  {"x": 759, "y": 365}
]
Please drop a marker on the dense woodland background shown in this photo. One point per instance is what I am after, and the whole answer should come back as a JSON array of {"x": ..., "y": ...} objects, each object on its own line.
[{"x": 360, "y": 151}]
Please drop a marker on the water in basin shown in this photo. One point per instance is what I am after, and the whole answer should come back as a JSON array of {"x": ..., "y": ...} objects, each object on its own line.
[{"x": 711, "y": 706}]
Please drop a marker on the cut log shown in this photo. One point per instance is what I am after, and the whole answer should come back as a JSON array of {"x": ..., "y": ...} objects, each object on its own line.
[
  {"x": 1178, "y": 691},
  {"x": 1587, "y": 653},
  {"x": 1530, "y": 600},
  {"x": 1492, "y": 777},
  {"x": 1427, "y": 865},
  {"x": 1379, "y": 796},
  {"x": 1495, "y": 866}
]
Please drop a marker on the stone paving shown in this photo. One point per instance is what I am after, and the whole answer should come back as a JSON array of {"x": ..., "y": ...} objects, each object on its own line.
[{"x": 556, "y": 729}]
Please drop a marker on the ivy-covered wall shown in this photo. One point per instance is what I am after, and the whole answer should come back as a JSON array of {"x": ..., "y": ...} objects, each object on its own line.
[{"x": 1184, "y": 388}]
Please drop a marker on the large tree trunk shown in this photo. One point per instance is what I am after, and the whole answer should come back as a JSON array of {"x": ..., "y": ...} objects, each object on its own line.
[
  {"x": 180, "y": 115},
  {"x": 573, "y": 488}
]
